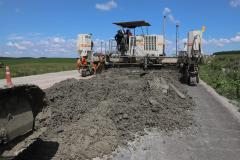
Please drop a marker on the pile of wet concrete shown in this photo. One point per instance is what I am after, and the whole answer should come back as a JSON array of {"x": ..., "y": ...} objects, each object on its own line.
[{"x": 91, "y": 118}]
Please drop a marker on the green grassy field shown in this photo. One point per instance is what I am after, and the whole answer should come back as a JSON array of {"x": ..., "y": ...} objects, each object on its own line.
[
  {"x": 222, "y": 72},
  {"x": 32, "y": 66}
]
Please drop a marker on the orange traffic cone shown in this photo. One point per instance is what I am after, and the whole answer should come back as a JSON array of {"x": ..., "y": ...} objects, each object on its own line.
[{"x": 8, "y": 77}]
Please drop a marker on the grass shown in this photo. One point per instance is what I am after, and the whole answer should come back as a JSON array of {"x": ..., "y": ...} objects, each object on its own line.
[
  {"x": 32, "y": 66},
  {"x": 222, "y": 72}
]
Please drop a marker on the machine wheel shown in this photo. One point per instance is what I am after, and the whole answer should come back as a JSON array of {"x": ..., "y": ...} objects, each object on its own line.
[
  {"x": 91, "y": 72},
  {"x": 189, "y": 80},
  {"x": 100, "y": 68},
  {"x": 193, "y": 80},
  {"x": 186, "y": 77},
  {"x": 197, "y": 78},
  {"x": 84, "y": 73}
]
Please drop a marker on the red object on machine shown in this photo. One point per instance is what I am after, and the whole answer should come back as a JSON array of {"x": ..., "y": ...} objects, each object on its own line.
[
  {"x": 8, "y": 77},
  {"x": 81, "y": 62},
  {"x": 84, "y": 60}
]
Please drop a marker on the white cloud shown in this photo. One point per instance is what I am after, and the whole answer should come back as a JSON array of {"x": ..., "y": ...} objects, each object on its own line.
[
  {"x": 173, "y": 20},
  {"x": 27, "y": 43},
  {"x": 6, "y": 53},
  {"x": 38, "y": 46},
  {"x": 236, "y": 38},
  {"x": 58, "y": 40},
  {"x": 215, "y": 42},
  {"x": 16, "y": 45},
  {"x": 106, "y": 6},
  {"x": 184, "y": 40},
  {"x": 35, "y": 50},
  {"x": 43, "y": 42},
  {"x": 221, "y": 42},
  {"x": 10, "y": 44},
  {"x": 209, "y": 45},
  {"x": 168, "y": 12},
  {"x": 168, "y": 42},
  {"x": 235, "y": 3}
]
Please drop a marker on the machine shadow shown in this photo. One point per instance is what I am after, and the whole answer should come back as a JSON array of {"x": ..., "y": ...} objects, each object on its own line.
[{"x": 39, "y": 150}]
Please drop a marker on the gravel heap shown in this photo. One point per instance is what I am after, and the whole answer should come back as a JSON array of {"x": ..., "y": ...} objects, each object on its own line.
[{"x": 91, "y": 118}]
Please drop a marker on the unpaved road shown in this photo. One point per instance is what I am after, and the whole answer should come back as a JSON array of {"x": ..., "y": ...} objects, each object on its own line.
[
  {"x": 44, "y": 80},
  {"x": 215, "y": 135}
]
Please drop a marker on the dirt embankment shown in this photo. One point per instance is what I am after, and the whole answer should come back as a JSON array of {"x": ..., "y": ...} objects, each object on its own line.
[{"x": 91, "y": 118}]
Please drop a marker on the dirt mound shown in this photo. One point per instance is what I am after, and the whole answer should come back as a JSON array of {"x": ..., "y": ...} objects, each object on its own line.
[{"x": 90, "y": 118}]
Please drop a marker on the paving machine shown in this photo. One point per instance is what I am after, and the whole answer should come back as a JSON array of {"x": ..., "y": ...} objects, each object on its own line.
[
  {"x": 19, "y": 106},
  {"x": 143, "y": 50},
  {"x": 190, "y": 59},
  {"x": 148, "y": 51},
  {"x": 88, "y": 63},
  {"x": 85, "y": 49}
]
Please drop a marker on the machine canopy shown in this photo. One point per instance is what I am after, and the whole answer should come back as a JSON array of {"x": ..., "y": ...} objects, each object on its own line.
[{"x": 132, "y": 24}]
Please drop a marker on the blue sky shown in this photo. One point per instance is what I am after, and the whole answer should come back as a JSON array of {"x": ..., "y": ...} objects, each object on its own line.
[{"x": 50, "y": 27}]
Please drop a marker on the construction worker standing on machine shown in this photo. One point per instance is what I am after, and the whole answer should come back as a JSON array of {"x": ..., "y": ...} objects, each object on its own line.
[
  {"x": 128, "y": 35},
  {"x": 119, "y": 38}
]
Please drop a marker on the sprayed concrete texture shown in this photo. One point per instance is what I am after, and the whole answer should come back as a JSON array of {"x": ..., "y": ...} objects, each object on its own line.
[{"x": 92, "y": 118}]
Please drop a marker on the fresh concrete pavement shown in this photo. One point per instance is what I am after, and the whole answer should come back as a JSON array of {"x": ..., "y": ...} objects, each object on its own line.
[{"x": 215, "y": 137}]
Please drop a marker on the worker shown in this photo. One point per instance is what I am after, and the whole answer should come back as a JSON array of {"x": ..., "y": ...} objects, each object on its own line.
[
  {"x": 92, "y": 45},
  {"x": 119, "y": 37},
  {"x": 79, "y": 65},
  {"x": 99, "y": 67},
  {"x": 128, "y": 35}
]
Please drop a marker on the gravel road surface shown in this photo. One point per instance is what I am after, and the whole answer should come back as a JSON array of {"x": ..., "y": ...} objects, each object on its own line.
[{"x": 44, "y": 80}]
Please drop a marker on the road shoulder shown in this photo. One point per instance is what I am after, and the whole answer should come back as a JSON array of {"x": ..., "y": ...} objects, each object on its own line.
[
  {"x": 223, "y": 100},
  {"x": 46, "y": 80}
]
